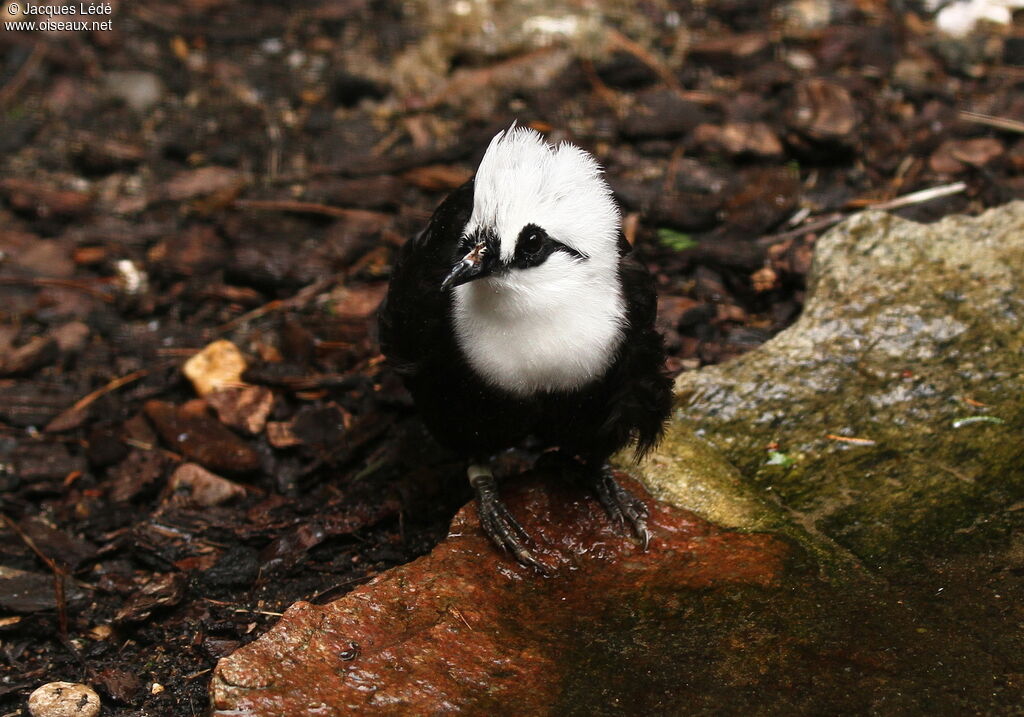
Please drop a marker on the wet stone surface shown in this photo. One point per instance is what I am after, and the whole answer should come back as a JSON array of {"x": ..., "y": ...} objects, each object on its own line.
[
  {"x": 877, "y": 442},
  {"x": 706, "y": 622},
  {"x": 467, "y": 628},
  {"x": 889, "y": 416}
]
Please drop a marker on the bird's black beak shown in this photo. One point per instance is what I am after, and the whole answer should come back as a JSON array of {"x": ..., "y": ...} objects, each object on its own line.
[{"x": 476, "y": 264}]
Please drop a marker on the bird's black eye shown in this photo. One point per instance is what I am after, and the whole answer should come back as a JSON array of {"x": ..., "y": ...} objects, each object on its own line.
[
  {"x": 533, "y": 243},
  {"x": 533, "y": 247}
]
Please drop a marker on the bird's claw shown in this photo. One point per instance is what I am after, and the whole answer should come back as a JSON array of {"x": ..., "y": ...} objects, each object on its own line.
[
  {"x": 498, "y": 523},
  {"x": 622, "y": 506}
]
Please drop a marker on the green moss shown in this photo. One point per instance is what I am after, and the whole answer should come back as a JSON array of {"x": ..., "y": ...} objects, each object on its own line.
[{"x": 909, "y": 328}]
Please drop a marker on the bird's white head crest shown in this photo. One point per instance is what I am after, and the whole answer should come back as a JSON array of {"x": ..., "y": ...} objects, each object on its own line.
[
  {"x": 524, "y": 180},
  {"x": 551, "y": 318}
]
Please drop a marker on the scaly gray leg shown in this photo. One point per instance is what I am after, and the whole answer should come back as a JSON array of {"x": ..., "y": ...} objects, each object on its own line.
[
  {"x": 500, "y": 525},
  {"x": 621, "y": 505}
]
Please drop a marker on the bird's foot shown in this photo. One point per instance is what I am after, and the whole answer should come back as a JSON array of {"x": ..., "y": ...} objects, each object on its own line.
[
  {"x": 621, "y": 505},
  {"x": 499, "y": 524}
]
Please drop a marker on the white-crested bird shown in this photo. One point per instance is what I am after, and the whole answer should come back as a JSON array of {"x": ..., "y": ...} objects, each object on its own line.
[{"x": 520, "y": 312}]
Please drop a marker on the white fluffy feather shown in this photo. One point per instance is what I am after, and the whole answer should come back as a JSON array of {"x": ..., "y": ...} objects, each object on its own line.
[{"x": 556, "y": 326}]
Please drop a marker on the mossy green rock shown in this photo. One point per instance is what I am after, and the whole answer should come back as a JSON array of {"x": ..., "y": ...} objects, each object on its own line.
[{"x": 889, "y": 420}]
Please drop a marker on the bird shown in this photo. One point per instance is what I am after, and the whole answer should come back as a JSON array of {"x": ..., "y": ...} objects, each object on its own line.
[{"x": 520, "y": 313}]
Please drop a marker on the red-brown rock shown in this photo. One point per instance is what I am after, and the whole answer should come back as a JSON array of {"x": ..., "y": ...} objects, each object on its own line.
[{"x": 467, "y": 630}]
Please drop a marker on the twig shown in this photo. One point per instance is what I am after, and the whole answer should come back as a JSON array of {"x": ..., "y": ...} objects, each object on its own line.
[
  {"x": 1004, "y": 123},
  {"x": 906, "y": 200},
  {"x": 850, "y": 439},
  {"x": 112, "y": 385},
  {"x": 305, "y": 295},
  {"x": 235, "y": 608},
  {"x": 11, "y": 89},
  {"x": 924, "y": 195},
  {"x": 462, "y": 82},
  {"x": 602, "y": 90},
  {"x": 72, "y": 417},
  {"x": 618, "y": 41},
  {"x": 820, "y": 223},
  {"x": 290, "y": 205},
  {"x": 58, "y": 575}
]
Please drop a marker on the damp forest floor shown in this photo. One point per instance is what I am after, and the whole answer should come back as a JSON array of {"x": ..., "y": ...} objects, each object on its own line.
[{"x": 226, "y": 170}]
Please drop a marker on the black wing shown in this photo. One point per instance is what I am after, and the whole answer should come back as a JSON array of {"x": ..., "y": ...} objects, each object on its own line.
[
  {"x": 642, "y": 400},
  {"x": 414, "y": 315}
]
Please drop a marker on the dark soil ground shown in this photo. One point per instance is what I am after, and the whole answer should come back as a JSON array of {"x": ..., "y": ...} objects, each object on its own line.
[{"x": 225, "y": 170}]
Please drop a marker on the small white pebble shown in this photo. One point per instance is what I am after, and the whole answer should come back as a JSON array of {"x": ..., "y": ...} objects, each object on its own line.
[
  {"x": 156, "y": 689},
  {"x": 64, "y": 699}
]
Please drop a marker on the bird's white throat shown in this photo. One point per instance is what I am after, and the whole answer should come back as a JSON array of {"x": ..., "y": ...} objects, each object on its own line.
[{"x": 543, "y": 329}]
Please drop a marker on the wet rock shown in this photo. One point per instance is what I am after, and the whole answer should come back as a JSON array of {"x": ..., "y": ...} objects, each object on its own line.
[
  {"x": 901, "y": 382},
  {"x": 64, "y": 699},
  {"x": 465, "y": 627},
  {"x": 219, "y": 365},
  {"x": 203, "y": 487},
  {"x": 202, "y": 439}
]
